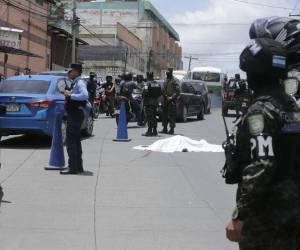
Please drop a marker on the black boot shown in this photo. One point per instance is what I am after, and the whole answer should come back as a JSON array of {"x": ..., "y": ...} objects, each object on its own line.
[
  {"x": 171, "y": 131},
  {"x": 148, "y": 133},
  {"x": 164, "y": 131},
  {"x": 154, "y": 131}
]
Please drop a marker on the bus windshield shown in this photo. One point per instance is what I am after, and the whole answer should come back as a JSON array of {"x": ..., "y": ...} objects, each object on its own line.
[{"x": 207, "y": 76}]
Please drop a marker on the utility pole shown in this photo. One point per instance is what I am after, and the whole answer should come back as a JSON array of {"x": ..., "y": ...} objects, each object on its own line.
[
  {"x": 150, "y": 58},
  {"x": 126, "y": 58},
  {"x": 190, "y": 60},
  {"x": 75, "y": 29}
]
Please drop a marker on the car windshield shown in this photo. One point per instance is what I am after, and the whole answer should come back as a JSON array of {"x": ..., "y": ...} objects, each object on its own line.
[
  {"x": 206, "y": 76},
  {"x": 24, "y": 86}
]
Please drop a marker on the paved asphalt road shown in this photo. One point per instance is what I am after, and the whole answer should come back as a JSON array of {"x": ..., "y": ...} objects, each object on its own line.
[{"x": 127, "y": 199}]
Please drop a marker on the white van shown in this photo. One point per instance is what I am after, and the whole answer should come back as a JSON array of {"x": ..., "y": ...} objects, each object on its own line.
[
  {"x": 214, "y": 77},
  {"x": 179, "y": 74}
]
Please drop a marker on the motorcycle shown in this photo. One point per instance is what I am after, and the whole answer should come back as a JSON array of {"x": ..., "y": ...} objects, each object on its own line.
[{"x": 134, "y": 108}]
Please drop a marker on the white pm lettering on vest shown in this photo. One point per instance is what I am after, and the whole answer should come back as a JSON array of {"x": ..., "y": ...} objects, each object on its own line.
[{"x": 262, "y": 144}]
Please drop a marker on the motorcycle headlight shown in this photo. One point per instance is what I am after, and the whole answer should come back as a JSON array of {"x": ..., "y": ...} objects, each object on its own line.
[{"x": 291, "y": 85}]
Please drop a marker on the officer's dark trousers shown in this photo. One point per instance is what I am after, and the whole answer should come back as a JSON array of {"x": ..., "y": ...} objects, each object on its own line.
[
  {"x": 151, "y": 116},
  {"x": 169, "y": 114},
  {"x": 73, "y": 143}
]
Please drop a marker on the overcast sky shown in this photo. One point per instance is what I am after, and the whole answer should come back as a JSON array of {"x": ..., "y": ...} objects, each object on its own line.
[{"x": 216, "y": 31}]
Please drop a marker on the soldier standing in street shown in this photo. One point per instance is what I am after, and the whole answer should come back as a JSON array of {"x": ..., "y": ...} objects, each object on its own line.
[
  {"x": 261, "y": 157},
  {"x": 151, "y": 93},
  {"x": 76, "y": 100},
  {"x": 110, "y": 93},
  {"x": 170, "y": 92},
  {"x": 91, "y": 87}
]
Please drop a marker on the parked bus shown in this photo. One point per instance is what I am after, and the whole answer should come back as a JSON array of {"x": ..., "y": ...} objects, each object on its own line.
[{"x": 213, "y": 77}]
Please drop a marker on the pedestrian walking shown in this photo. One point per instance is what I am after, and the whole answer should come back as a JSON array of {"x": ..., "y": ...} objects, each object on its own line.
[
  {"x": 261, "y": 156},
  {"x": 170, "y": 92},
  {"x": 151, "y": 92},
  {"x": 76, "y": 100}
]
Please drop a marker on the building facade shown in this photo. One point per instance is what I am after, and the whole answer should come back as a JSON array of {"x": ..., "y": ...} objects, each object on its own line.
[
  {"x": 137, "y": 29},
  {"x": 30, "y": 16}
]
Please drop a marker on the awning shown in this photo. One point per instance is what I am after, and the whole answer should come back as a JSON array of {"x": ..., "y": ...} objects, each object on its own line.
[
  {"x": 64, "y": 33},
  {"x": 10, "y": 50}
]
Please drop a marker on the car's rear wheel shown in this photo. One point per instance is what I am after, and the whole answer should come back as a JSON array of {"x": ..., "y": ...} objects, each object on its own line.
[
  {"x": 184, "y": 114},
  {"x": 207, "y": 110},
  {"x": 88, "y": 131},
  {"x": 64, "y": 131},
  {"x": 200, "y": 115}
]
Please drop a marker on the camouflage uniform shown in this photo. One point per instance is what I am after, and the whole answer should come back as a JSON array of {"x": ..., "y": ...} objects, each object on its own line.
[
  {"x": 170, "y": 89},
  {"x": 151, "y": 93},
  {"x": 267, "y": 140}
]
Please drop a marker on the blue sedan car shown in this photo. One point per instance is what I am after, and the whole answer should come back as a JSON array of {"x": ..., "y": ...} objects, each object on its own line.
[{"x": 32, "y": 102}]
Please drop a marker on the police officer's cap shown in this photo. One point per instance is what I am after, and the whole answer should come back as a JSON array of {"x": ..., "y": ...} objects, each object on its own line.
[
  {"x": 264, "y": 57},
  {"x": 93, "y": 74},
  {"x": 76, "y": 66}
]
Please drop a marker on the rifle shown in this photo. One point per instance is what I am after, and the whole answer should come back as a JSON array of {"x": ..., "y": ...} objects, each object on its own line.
[{"x": 230, "y": 171}]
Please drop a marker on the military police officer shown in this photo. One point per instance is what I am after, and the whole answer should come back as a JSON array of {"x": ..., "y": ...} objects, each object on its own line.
[
  {"x": 76, "y": 100},
  {"x": 151, "y": 93},
  {"x": 261, "y": 156},
  {"x": 170, "y": 92},
  {"x": 91, "y": 87},
  {"x": 110, "y": 92}
]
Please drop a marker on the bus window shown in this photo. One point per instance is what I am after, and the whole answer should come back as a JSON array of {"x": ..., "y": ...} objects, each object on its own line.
[{"x": 207, "y": 76}]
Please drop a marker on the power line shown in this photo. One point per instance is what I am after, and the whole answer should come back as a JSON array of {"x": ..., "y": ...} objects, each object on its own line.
[
  {"x": 296, "y": 5},
  {"x": 94, "y": 35},
  {"x": 214, "y": 43},
  {"x": 211, "y": 24},
  {"x": 262, "y": 4}
]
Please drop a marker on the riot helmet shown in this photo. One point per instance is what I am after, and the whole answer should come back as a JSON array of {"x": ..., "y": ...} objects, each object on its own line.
[
  {"x": 237, "y": 77},
  {"x": 92, "y": 75},
  {"x": 269, "y": 27},
  {"x": 139, "y": 78},
  {"x": 150, "y": 76},
  {"x": 292, "y": 42},
  {"x": 128, "y": 76},
  {"x": 109, "y": 78},
  {"x": 169, "y": 73},
  {"x": 264, "y": 61}
]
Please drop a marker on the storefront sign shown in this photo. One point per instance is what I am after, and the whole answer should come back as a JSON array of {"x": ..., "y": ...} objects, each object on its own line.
[{"x": 10, "y": 38}]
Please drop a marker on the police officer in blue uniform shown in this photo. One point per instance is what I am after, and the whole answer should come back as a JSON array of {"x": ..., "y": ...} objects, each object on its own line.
[{"x": 76, "y": 100}]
